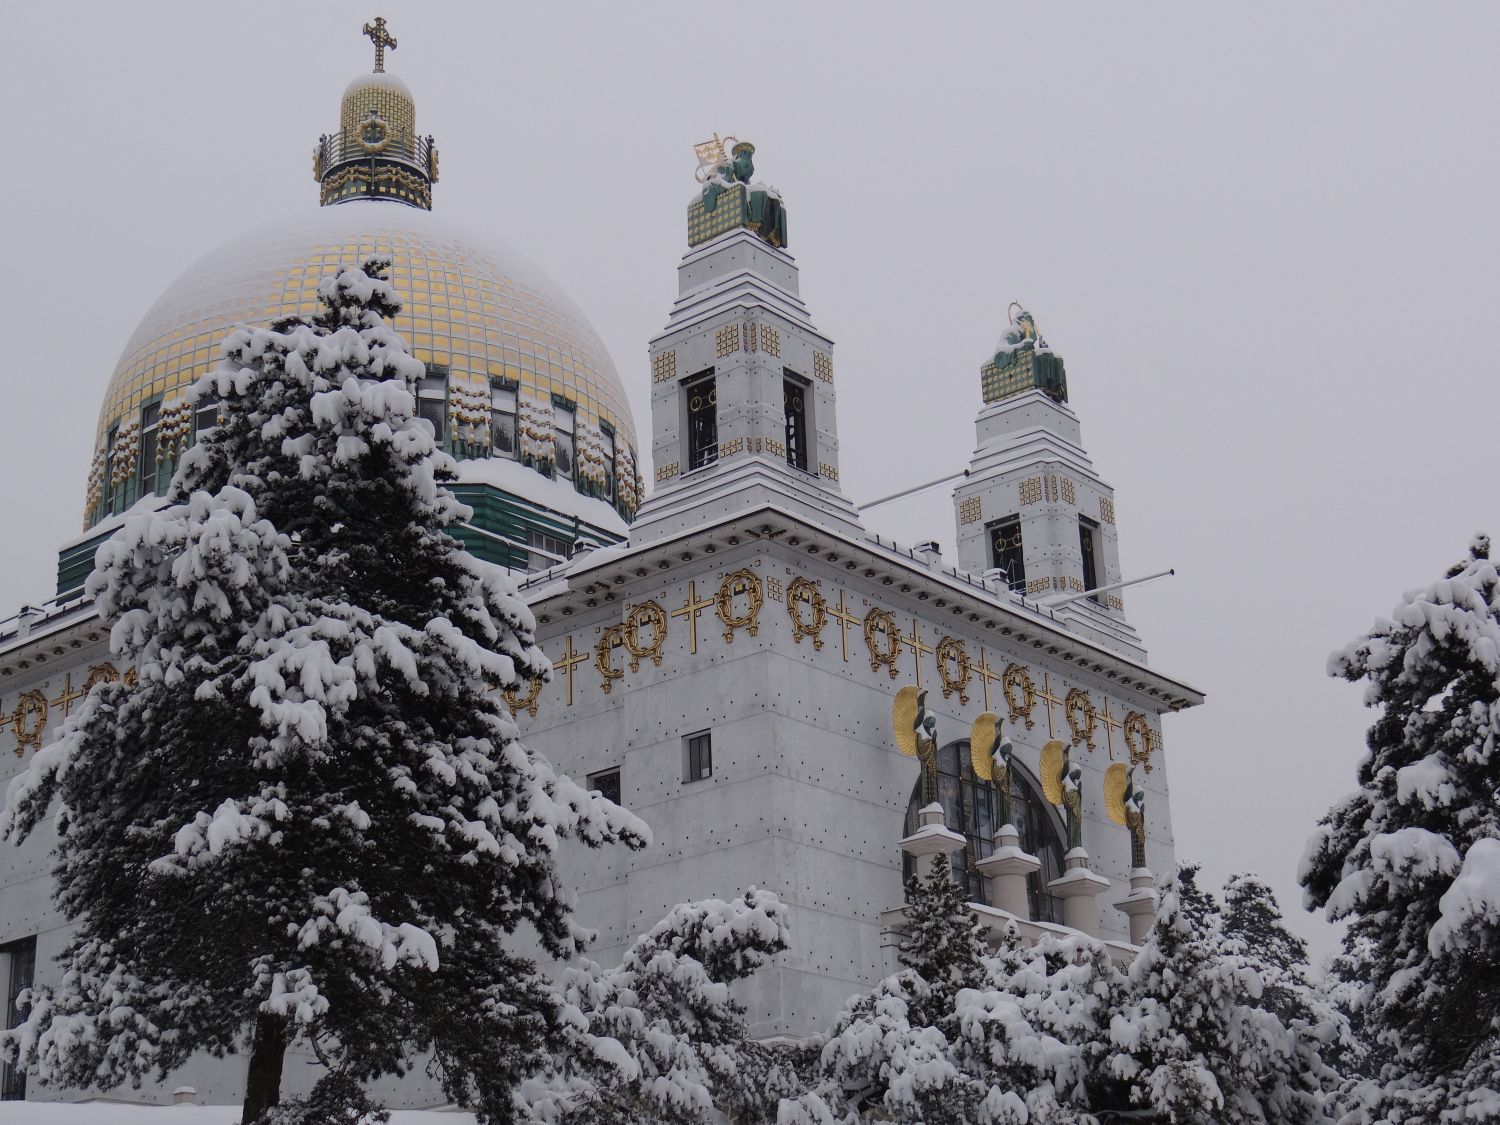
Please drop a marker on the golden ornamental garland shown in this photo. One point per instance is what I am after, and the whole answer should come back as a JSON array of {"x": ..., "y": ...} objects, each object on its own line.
[
  {"x": 800, "y": 592},
  {"x": 1020, "y": 694},
  {"x": 880, "y": 622},
  {"x": 740, "y": 582},
  {"x": 1139, "y": 739},
  {"x": 650, "y": 615},
  {"x": 527, "y": 702},
  {"x": 954, "y": 669},
  {"x": 612, "y": 638},
  {"x": 1082, "y": 721}
]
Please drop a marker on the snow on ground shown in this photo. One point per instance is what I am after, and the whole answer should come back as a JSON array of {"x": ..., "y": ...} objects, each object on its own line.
[{"x": 116, "y": 1113}]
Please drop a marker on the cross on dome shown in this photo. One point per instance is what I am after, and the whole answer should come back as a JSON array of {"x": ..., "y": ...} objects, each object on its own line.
[{"x": 382, "y": 39}]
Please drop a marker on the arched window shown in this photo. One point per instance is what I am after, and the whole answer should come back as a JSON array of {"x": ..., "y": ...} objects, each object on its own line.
[{"x": 969, "y": 807}]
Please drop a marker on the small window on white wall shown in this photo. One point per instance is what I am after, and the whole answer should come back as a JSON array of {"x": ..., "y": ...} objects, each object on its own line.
[
  {"x": 700, "y": 757},
  {"x": 563, "y": 439}
]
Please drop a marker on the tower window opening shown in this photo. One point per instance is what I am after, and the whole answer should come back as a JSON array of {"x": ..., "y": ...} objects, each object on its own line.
[
  {"x": 502, "y": 421},
  {"x": 562, "y": 439},
  {"x": 1006, "y": 553},
  {"x": 1088, "y": 546},
  {"x": 114, "y": 494},
  {"x": 432, "y": 405},
  {"x": 606, "y": 783},
  {"x": 702, "y": 421},
  {"x": 794, "y": 399},
  {"x": 700, "y": 757},
  {"x": 17, "y": 973}
]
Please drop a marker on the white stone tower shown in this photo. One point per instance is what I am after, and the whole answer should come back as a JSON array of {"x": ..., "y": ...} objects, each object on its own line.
[
  {"x": 742, "y": 403},
  {"x": 1032, "y": 511}
]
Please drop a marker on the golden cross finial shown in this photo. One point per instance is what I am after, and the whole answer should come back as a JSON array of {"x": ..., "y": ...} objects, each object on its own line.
[{"x": 382, "y": 39}]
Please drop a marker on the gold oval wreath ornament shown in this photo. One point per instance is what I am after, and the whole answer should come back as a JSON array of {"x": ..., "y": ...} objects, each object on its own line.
[
  {"x": 801, "y": 590},
  {"x": 956, "y": 679},
  {"x": 881, "y": 621},
  {"x": 650, "y": 614},
  {"x": 740, "y": 582}
]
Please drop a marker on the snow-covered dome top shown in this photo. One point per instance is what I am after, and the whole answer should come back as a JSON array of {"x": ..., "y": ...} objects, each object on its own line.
[
  {"x": 385, "y": 94},
  {"x": 475, "y": 311}
]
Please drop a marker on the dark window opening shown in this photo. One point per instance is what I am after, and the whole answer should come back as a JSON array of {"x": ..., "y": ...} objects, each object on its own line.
[
  {"x": 20, "y": 959},
  {"x": 606, "y": 784},
  {"x": 609, "y": 464},
  {"x": 432, "y": 405},
  {"x": 206, "y": 414},
  {"x": 502, "y": 421},
  {"x": 540, "y": 541},
  {"x": 113, "y": 494},
  {"x": 969, "y": 806},
  {"x": 794, "y": 402},
  {"x": 1006, "y": 553},
  {"x": 700, "y": 757},
  {"x": 1088, "y": 542},
  {"x": 702, "y": 422}
]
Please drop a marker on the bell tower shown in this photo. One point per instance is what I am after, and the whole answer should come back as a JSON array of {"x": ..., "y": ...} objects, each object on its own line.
[
  {"x": 743, "y": 392},
  {"x": 1032, "y": 512}
]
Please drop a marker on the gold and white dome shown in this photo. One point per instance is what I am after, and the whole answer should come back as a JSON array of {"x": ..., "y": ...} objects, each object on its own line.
[{"x": 474, "y": 310}]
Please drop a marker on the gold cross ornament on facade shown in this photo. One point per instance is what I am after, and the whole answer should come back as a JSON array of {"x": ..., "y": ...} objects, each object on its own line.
[{"x": 382, "y": 39}]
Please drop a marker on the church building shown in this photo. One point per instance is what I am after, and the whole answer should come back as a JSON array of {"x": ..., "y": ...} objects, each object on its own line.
[{"x": 789, "y": 698}]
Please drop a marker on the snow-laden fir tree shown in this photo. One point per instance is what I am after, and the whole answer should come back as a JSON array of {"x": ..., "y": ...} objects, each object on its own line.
[
  {"x": 658, "y": 1040},
  {"x": 1193, "y": 1040},
  {"x": 1411, "y": 858},
  {"x": 942, "y": 941},
  {"x": 313, "y": 820}
]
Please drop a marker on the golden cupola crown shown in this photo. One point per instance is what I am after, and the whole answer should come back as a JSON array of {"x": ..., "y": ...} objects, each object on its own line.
[{"x": 377, "y": 152}]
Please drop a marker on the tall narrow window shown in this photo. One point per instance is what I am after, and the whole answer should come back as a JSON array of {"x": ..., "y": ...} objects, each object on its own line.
[
  {"x": 109, "y": 469},
  {"x": 150, "y": 444},
  {"x": 432, "y": 404},
  {"x": 702, "y": 422},
  {"x": 502, "y": 421},
  {"x": 1006, "y": 553},
  {"x": 18, "y": 962},
  {"x": 700, "y": 757},
  {"x": 206, "y": 414},
  {"x": 562, "y": 439},
  {"x": 794, "y": 398},
  {"x": 609, "y": 463},
  {"x": 607, "y": 784},
  {"x": 1088, "y": 543}
]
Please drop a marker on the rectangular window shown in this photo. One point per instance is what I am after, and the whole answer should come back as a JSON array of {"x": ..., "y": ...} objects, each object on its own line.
[
  {"x": 794, "y": 401},
  {"x": 502, "y": 421},
  {"x": 17, "y": 973},
  {"x": 562, "y": 439},
  {"x": 1006, "y": 554},
  {"x": 1088, "y": 543},
  {"x": 606, "y": 784},
  {"x": 150, "y": 445},
  {"x": 702, "y": 421},
  {"x": 206, "y": 414},
  {"x": 432, "y": 405},
  {"x": 700, "y": 757},
  {"x": 609, "y": 464},
  {"x": 556, "y": 550},
  {"x": 109, "y": 469}
]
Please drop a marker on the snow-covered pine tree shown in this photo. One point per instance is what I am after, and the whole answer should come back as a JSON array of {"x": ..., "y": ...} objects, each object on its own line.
[
  {"x": 943, "y": 942},
  {"x": 313, "y": 820},
  {"x": 1412, "y": 857},
  {"x": 1192, "y": 1039},
  {"x": 658, "y": 1040}
]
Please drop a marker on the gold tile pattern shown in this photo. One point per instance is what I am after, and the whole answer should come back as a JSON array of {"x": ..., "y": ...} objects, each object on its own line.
[
  {"x": 1069, "y": 491},
  {"x": 823, "y": 366},
  {"x": 1106, "y": 509},
  {"x": 1031, "y": 490},
  {"x": 727, "y": 340},
  {"x": 827, "y": 470},
  {"x": 770, "y": 340},
  {"x": 384, "y": 93},
  {"x": 475, "y": 308},
  {"x": 971, "y": 510},
  {"x": 729, "y": 448},
  {"x": 728, "y": 213},
  {"x": 664, "y": 367},
  {"x": 666, "y": 472}
]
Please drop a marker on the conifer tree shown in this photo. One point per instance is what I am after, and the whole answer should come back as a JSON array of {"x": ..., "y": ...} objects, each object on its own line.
[
  {"x": 943, "y": 942},
  {"x": 313, "y": 820},
  {"x": 1412, "y": 857},
  {"x": 658, "y": 1040}
]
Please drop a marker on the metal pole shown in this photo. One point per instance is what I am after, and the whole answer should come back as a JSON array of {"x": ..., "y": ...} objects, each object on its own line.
[
  {"x": 909, "y": 491},
  {"x": 1056, "y": 603}
]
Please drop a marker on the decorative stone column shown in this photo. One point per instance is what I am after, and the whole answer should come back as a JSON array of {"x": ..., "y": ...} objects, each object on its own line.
[
  {"x": 932, "y": 837},
  {"x": 1140, "y": 903},
  {"x": 1077, "y": 887},
  {"x": 1007, "y": 870}
]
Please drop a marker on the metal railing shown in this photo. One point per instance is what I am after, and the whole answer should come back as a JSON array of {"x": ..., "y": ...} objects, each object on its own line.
[{"x": 345, "y": 147}]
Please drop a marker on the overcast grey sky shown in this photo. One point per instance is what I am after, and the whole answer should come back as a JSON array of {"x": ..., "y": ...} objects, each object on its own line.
[{"x": 1264, "y": 240}]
